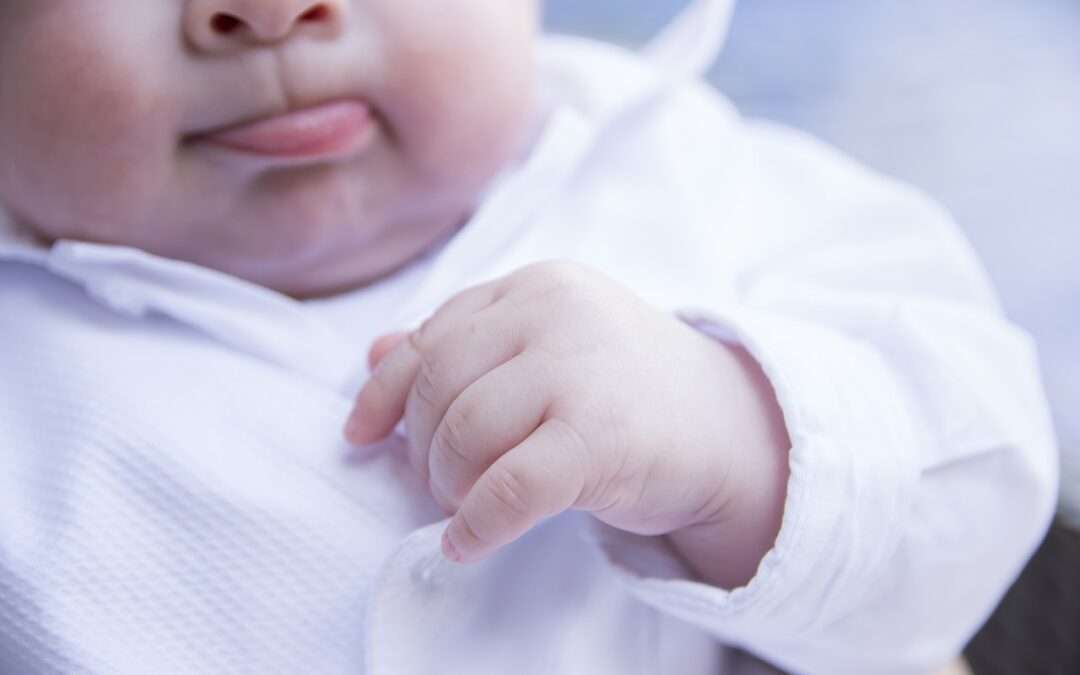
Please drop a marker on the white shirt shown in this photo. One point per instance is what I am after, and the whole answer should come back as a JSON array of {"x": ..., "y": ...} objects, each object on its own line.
[{"x": 176, "y": 496}]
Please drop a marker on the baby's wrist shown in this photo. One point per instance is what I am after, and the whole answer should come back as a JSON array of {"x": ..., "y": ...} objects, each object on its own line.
[{"x": 727, "y": 545}]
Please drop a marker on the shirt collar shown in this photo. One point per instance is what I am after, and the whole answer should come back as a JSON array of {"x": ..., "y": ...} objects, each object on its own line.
[{"x": 691, "y": 43}]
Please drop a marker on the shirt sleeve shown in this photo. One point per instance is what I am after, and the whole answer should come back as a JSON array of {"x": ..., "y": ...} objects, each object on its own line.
[{"x": 923, "y": 463}]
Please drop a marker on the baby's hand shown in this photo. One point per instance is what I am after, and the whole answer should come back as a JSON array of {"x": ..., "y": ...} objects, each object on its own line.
[{"x": 555, "y": 388}]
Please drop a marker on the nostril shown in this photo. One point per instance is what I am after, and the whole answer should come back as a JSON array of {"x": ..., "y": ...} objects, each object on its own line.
[
  {"x": 316, "y": 13},
  {"x": 224, "y": 23}
]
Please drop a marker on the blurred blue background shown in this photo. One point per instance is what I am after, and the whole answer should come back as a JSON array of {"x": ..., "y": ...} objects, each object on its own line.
[{"x": 975, "y": 101}]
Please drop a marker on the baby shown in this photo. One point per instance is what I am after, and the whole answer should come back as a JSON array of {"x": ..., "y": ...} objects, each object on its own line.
[{"x": 679, "y": 382}]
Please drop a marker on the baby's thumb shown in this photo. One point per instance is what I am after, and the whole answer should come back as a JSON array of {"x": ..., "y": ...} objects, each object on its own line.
[{"x": 384, "y": 346}]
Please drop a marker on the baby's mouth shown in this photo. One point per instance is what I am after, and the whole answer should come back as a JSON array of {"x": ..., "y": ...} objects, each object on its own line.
[{"x": 335, "y": 130}]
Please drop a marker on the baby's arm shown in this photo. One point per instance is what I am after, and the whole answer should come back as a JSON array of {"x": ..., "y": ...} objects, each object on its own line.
[
  {"x": 922, "y": 459},
  {"x": 556, "y": 388},
  {"x": 923, "y": 467}
]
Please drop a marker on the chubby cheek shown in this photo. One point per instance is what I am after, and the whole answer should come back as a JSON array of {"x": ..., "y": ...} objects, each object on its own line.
[
  {"x": 85, "y": 136},
  {"x": 462, "y": 98}
]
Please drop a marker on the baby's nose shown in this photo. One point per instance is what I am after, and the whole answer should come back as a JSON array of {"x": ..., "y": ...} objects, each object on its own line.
[{"x": 218, "y": 26}]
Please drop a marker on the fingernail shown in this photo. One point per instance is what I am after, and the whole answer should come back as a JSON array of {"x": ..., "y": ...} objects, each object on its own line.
[
  {"x": 448, "y": 548},
  {"x": 352, "y": 428}
]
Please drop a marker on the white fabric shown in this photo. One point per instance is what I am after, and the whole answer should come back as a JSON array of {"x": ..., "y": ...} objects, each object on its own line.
[{"x": 176, "y": 496}]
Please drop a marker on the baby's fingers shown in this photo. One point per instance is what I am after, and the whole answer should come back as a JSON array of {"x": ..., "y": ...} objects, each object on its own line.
[
  {"x": 384, "y": 346},
  {"x": 543, "y": 476},
  {"x": 380, "y": 404},
  {"x": 488, "y": 419}
]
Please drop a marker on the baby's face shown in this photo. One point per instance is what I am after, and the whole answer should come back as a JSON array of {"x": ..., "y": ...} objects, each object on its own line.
[{"x": 137, "y": 122}]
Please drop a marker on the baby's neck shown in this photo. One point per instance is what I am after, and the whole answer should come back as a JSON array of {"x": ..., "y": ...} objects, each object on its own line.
[{"x": 14, "y": 230}]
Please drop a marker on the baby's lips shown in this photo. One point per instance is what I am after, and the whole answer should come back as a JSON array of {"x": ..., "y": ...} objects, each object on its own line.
[{"x": 337, "y": 128}]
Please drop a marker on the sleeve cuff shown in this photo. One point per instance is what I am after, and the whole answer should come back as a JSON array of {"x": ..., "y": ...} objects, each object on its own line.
[{"x": 852, "y": 481}]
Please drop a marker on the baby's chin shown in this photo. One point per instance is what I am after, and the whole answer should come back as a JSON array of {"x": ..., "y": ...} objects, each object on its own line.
[
  {"x": 324, "y": 230},
  {"x": 302, "y": 258},
  {"x": 281, "y": 231},
  {"x": 318, "y": 251}
]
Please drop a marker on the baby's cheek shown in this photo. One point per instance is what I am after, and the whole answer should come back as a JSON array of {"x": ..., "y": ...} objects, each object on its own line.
[
  {"x": 87, "y": 133},
  {"x": 461, "y": 97}
]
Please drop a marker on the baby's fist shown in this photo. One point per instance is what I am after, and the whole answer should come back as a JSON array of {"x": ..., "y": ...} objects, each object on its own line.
[{"x": 556, "y": 388}]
